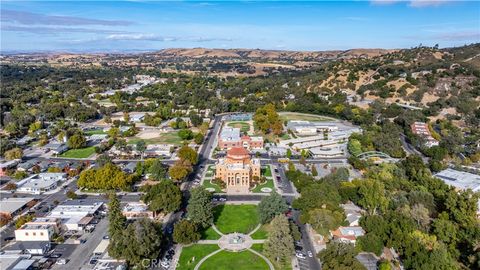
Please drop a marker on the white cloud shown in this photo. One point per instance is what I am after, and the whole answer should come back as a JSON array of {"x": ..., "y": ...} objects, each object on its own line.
[{"x": 414, "y": 3}]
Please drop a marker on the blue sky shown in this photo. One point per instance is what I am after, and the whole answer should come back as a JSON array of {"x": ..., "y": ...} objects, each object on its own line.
[{"x": 148, "y": 25}]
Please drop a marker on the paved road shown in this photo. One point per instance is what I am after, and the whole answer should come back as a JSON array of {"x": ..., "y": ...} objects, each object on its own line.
[
  {"x": 410, "y": 149},
  {"x": 307, "y": 263}
]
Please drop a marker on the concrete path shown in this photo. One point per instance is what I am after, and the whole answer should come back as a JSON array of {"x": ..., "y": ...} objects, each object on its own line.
[
  {"x": 205, "y": 258},
  {"x": 207, "y": 242},
  {"x": 217, "y": 230},
  {"x": 263, "y": 257},
  {"x": 256, "y": 229},
  {"x": 258, "y": 241}
]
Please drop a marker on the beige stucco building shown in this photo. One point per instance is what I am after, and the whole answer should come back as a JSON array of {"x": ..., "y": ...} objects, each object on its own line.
[{"x": 237, "y": 170}]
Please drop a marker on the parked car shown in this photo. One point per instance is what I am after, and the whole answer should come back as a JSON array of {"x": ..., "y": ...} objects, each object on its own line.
[
  {"x": 300, "y": 255},
  {"x": 310, "y": 254},
  {"x": 61, "y": 261},
  {"x": 55, "y": 255}
]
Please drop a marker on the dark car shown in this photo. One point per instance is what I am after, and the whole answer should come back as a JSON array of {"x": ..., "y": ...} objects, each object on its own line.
[
  {"x": 93, "y": 261},
  {"x": 10, "y": 238}
]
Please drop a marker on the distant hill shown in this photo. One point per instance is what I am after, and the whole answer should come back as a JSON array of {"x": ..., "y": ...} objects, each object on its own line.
[{"x": 269, "y": 54}]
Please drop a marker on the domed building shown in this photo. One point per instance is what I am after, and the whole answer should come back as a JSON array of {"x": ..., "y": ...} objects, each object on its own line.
[{"x": 237, "y": 170}]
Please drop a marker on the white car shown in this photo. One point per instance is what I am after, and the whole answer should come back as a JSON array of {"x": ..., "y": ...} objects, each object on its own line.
[
  {"x": 165, "y": 264},
  {"x": 310, "y": 254},
  {"x": 301, "y": 255}
]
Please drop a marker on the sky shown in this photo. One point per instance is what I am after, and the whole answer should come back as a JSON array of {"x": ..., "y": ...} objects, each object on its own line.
[{"x": 115, "y": 26}]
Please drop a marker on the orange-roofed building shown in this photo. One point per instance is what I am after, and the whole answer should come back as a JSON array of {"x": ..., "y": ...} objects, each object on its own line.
[{"x": 237, "y": 170}]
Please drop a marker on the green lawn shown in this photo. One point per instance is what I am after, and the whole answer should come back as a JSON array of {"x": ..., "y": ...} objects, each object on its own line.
[
  {"x": 244, "y": 126},
  {"x": 225, "y": 260},
  {"x": 190, "y": 256},
  {"x": 210, "y": 234},
  {"x": 208, "y": 184},
  {"x": 257, "y": 247},
  {"x": 261, "y": 233},
  {"x": 163, "y": 138},
  {"x": 94, "y": 132},
  {"x": 79, "y": 153},
  {"x": 269, "y": 184},
  {"x": 235, "y": 218},
  {"x": 267, "y": 171},
  {"x": 287, "y": 116}
]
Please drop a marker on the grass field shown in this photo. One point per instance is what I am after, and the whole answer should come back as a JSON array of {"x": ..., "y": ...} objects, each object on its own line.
[
  {"x": 235, "y": 218},
  {"x": 208, "y": 184},
  {"x": 261, "y": 233},
  {"x": 287, "y": 116},
  {"x": 225, "y": 260},
  {"x": 244, "y": 126},
  {"x": 191, "y": 255},
  {"x": 79, "y": 153},
  {"x": 94, "y": 132},
  {"x": 269, "y": 184},
  {"x": 210, "y": 234},
  {"x": 267, "y": 171},
  {"x": 163, "y": 138}
]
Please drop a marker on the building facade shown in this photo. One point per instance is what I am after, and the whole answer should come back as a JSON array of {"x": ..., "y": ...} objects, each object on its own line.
[
  {"x": 230, "y": 138},
  {"x": 237, "y": 170}
]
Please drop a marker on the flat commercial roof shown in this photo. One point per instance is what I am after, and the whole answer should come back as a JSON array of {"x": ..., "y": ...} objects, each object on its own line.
[
  {"x": 11, "y": 205},
  {"x": 460, "y": 180},
  {"x": 230, "y": 134}
]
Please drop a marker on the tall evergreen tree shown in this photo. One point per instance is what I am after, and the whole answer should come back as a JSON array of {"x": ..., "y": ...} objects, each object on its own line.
[
  {"x": 271, "y": 206},
  {"x": 116, "y": 226},
  {"x": 279, "y": 245},
  {"x": 200, "y": 208}
]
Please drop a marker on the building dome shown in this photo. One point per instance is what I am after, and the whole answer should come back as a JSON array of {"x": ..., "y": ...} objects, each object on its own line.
[{"x": 237, "y": 153}]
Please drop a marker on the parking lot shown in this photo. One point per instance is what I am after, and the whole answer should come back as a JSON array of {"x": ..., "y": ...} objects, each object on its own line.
[{"x": 79, "y": 254}]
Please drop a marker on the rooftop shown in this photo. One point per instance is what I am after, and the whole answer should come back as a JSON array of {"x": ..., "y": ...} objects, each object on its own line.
[
  {"x": 230, "y": 134},
  {"x": 460, "y": 180},
  {"x": 135, "y": 207},
  {"x": 10, "y": 205}
]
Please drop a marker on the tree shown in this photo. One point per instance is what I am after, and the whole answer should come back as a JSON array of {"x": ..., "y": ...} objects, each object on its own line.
[
  {"x": 188, "y": 153},
  {"x": 279, "y": 244},
  {"x": 185, "y": 134},
  {"x": 71, "y": 194},
  {"x": 372, "y": 195},
  {"x": 22, "y": 220},
  {"x": 126, "y": 117},
  {"x": 157, "y": 170},
  {"x": 141, "y": 146},
  {"x": 325, "y": 220},
  {"x": 203, "y": 128},
  {"x": 15, "y": 153},
  {"x": 77, "y": 141},
  {"x": 314, "y": 170},
  {"x": 339, "y": 256},
  {"x": 198, "y": 138},
  {"x": 103, "y": 159},
  {"x": 271, "y": 206},
  {"x": 370, "y": 242},
  {"x": 180, "y": 170},
  {"x": 163, "y": 197},
  {"x": 107, "y": 177},
  {"x": 195, "y": 119},
  {"x": 200, "y": 208},
  {"x": 266, "y": 119},
  {"x": 296, "y": 234},
  {"x": 113, "y": 132},
  {"x": 185, "y": 232},
  {"x": 289, "y": 153},
  {"x": 143, "y": 241},
  {"x": 116, "y": 225}
]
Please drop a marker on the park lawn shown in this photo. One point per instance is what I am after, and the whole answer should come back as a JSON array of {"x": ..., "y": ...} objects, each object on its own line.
[
  {"x": 79, "y": 153},
  {"x": 225, "y": 260},
  {"x": 94, "y": 132},
  {"x": 230, "y": 218},
  {"x": 210, "y": 234},
  {"x": 287, "y": 116},
  {"x": 261, "y": 233},
  {"x": 163, "y": 138},
  {"x": 259, "y": 248},
  {"x": 195, "y": 251},
  {"x": 267, "y": 171},
  {"x": 268, "y": 184},
  {"x": 244, "y": 126},
  {"x": 208, "y": 184}
]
